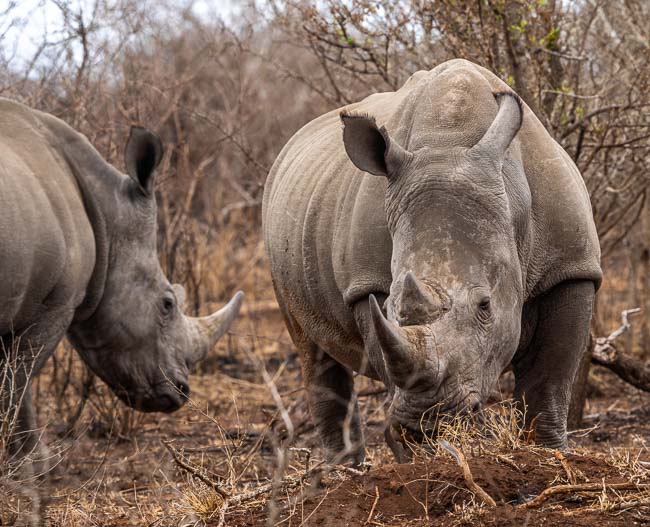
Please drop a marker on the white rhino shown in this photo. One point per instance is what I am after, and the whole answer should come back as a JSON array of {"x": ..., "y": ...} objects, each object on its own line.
[
  {"x": 78, "y": 258},
  {"x": 431, "y": 253}
]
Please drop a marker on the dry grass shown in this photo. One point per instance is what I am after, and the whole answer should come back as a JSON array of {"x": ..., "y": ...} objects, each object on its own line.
[
  {"x": 247, "y": 407},
  {"x": 502, "y": 434},
  {"x": 225, "y": 100}
]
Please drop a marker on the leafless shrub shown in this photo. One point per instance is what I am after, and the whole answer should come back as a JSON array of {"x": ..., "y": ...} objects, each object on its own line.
[
  {"x": 582, "y": 67},
  {"x": 226, "y": 96}
]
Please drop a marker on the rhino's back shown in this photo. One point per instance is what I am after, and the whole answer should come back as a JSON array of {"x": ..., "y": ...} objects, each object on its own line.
[{"x": 43, "y": 225}]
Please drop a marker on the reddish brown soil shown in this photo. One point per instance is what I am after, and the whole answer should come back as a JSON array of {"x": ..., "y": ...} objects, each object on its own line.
[
  {"x": 119, "y": 474},
  {"x": 433, "y": 493}
]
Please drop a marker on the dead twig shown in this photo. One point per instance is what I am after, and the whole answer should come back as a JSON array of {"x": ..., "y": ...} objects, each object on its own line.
[
  {"x": 506, "y": 461},
  {"x": 570, "y": 475},
  {"x": 194, "y": 471},
  {"x": 374, "y": 505},
  {"x": 530, "y": 433},
  {"x": 604, "y": 344},
  {"x": 613, "y": 507},
  {"x": 458, "y": 455},
  {"x": 583, "y": 487}
]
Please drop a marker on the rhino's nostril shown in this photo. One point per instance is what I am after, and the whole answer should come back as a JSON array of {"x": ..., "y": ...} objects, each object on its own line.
[{"x": 183, "y": 388}]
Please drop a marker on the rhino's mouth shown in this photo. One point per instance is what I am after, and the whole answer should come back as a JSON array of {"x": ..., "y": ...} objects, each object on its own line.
[
  {"x": 163, "y": 397},
  {"x": 417, "y": 433},
  {"x": 403, "y": 440},
  {"x": 409, "y": 425}
]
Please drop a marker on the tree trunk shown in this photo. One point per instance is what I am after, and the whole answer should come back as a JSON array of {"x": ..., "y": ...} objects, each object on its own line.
[{"x": 644, "y": 271}]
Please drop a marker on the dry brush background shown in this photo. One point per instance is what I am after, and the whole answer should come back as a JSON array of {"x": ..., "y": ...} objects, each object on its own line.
[{"x": 225, "y": 89}]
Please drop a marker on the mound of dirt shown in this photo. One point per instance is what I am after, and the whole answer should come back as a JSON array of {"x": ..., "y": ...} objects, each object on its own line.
[{"x": 433, "y": 492}]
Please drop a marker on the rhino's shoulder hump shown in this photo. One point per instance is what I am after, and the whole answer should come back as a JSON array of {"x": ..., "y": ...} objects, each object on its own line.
[
  {"x": 26, "y": 129},
  {"x": 45, "y": 238},
  {"x": 10, "y": 108},
  {"x": 19, "y": 122}
]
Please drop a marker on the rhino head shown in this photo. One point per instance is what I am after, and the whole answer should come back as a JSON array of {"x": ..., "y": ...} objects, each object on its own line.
[
  {"x": 137, "y": 339},
  {"x": 452, "y": 322}
]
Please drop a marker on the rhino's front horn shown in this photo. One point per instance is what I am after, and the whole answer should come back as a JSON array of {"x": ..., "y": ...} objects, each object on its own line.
[
  {"x": 401, "y": 357},
  {"x": 220, "y": 321},
  {"x": 214, "y": 326}
]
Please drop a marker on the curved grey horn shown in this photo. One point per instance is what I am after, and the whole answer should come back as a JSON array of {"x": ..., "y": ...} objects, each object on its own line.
[
  {"x": 505, "y": 125},
  {"x": 400, "y": 356},
  {"x": 414, "y": 291},
  {"x": 218, "y": 323},
  {"x": 206, "y": 331}
]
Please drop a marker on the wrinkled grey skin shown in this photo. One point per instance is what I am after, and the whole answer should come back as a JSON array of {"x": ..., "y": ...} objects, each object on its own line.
[
  {"x": 78, "y": 258},
  {"x": 432, "y": 254}
]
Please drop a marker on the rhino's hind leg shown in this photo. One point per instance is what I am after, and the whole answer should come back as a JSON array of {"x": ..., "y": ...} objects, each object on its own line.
[
  {"x": 330, "y": 391},
  {"x": 545, "y": 369}
]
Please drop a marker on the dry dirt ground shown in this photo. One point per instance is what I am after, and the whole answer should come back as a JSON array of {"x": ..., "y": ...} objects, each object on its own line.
[{"x": 117, "y": 467}]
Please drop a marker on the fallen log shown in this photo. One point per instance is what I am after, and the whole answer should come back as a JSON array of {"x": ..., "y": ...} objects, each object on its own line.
[{"x": 605, "y": 353}]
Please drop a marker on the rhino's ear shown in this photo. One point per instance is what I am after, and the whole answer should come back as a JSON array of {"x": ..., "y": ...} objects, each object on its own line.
[
  {"x": 370, "y": 148},
  {"x": 143, "y": 153},
  {"x": 505, "y": 125}
]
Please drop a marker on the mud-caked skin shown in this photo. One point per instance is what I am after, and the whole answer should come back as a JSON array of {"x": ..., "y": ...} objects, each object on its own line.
[
  {"x": 78, "y": 258},
  {"x": 436, "y": 237}
]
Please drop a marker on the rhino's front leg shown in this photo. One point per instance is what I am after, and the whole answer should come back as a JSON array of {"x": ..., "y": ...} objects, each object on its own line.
[
  {"x": 545, "y": 369},
  {"x": 29, "y": 456},
  {"x": 20, "y": 433},
  {"x": 25, "y": 445},
  {"x": 16, "y": 403},
  {"x": 24, "y": 357},
  {"x": 330, "y": 390}
]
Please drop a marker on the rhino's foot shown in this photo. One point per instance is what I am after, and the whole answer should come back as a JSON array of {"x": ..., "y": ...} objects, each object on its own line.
[
  {"x": 550, "y": 431},
  {"x": 354, "y": 457},
  {"x": 398, "y": 448},
  {"x": 341, "y": 434},
  {"x": 545, "y": 418},
  {"x": 333, "y": 405},
  {"x": 22, "y": 481}
]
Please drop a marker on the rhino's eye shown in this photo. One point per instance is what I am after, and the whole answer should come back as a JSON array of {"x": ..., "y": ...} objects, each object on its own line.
[
  {"x": 168, "y": 304},
  {"x": 484, "y": 305}
]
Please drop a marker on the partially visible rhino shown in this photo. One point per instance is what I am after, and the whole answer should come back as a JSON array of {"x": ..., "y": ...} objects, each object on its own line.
[
  {"x": 432, "y": 253},
  {"x": 78, "y": 258}
]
